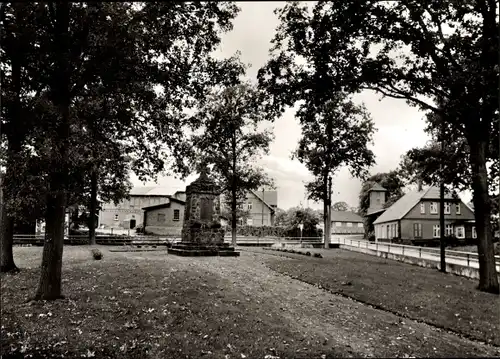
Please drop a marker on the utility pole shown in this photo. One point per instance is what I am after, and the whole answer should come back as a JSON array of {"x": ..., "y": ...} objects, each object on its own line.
[
  {"x": 262, "y": 206},
  {"x": 441, "y": 202}
]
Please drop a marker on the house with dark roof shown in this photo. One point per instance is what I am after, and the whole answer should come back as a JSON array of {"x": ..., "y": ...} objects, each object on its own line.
[
  {"x": 414, "y": 218},
  {"x": 346, "y": 222}
]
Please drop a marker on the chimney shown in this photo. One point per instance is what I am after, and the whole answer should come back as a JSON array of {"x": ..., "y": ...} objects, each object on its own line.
[{"x": 419, "y": 183}]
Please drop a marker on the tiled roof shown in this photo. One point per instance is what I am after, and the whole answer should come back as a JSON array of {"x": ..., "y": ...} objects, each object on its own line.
[
  {"x": 150, "y": 191},
  {"x": 345, "y": 216},
  {"x": 164, "y": 205},
  {"x": 402, "y": 206},
  {"x": 260, "y": 198}
]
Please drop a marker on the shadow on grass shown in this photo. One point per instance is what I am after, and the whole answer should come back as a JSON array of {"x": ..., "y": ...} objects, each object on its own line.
[{"x": 123, "y": 308}]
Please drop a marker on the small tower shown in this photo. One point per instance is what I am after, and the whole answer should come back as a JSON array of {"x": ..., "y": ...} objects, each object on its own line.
[{"x": 377, "y": 198}]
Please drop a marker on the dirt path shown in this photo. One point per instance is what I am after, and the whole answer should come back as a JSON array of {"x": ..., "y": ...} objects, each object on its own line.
[{"x": 362, "y": 330}]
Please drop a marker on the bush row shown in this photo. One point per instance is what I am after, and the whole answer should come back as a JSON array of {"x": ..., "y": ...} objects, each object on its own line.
[{"x": 274, "y": 231}]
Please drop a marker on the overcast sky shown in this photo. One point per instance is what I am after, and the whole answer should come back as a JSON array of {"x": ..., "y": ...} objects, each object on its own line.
[{"x": 399, "y": 126}]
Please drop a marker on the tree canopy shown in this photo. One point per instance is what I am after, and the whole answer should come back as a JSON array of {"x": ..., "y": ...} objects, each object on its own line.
[{"x": 438, "y": 56}]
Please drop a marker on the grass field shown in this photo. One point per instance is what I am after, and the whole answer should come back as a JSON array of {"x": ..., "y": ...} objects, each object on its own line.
[
  {"x": 444, "y": 300},
  {"x": 154, "y": 305}
]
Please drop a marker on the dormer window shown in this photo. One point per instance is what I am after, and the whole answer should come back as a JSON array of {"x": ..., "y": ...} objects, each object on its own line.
[
  {"x": 422, "y": 208},
  {"x": 457, "y": 206}
]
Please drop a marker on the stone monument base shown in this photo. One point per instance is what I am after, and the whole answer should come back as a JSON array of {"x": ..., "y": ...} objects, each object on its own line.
[{"x": 187, "y": 249}]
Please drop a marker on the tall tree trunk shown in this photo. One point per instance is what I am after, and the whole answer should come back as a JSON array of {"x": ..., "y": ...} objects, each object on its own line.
[
  {"x": 325, "y": 213},
  {"x": 93, "y": 206},
  {"x": 7, "y": 233},
  {"x": 233, "y": 218},
  {"x": 233, "y": 190},
  {"x": 49, "y": 287},
  {"x": 488, "y": 280},
  {"x": 15, "y": 136}
]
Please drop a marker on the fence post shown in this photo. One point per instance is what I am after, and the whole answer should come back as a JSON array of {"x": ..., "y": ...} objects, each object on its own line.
[
  {"x": 376, "y": 246},
  {"x": 389, "y": 248},
  {"x": 420, "y": 252},
  {"x": 467, "y": 259},
  {"x": 359, "y": 244},
  {"x": 403, "y": 250}
]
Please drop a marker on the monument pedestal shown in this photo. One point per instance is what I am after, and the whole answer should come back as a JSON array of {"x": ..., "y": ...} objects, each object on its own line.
[
  {"x": 202, "y": 234},
  {"x": 196, "y": 250}
]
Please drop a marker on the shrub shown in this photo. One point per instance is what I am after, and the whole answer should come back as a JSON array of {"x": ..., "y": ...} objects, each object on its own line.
[
  {"x": 96, "y": 253},
  {"x": 308, "y": 253},
  {"x": 215, "y": 225},
  {"x": 318, "y": 255}
]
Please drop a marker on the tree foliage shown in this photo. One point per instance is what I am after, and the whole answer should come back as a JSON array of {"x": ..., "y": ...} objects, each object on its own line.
[
  {"x": 228, "y": 140},
  {"x": 340, "y": 206},
  {"x": 108, "y": 79},
  {"x": 427, "y": 53}
]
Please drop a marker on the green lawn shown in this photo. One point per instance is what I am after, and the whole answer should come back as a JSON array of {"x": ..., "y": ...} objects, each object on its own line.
[
  {"x": 154, "y": 305},
  {"x": 444, "y": 300}
]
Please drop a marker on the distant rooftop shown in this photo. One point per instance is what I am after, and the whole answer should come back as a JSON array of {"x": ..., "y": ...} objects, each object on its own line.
[
  {"x": 345, "y": 216},
  {"x": 151, "y": 191}
]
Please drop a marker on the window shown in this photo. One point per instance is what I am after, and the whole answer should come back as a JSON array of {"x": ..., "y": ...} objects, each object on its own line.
[
  {"x": 457, "y": 206},
  {"x": 422, "y": 208},
  {"x": 460, "y": 232},
  {"x": 449, "y": 230},
  {"x": 360, "y": 225},
  {"x": 434, "y": 207},
  {"x": 474, "y": 233},
  {"x": 249, "y": 221},
  {"x": 417, "y": 230},
  {"x": 249, "y": 205},
  {"x": 349, "y": 224},
  {"x": 338, "y": 224},
  {"x": 161, "y": 217},
  {"x": 177, "y": 214},
  {"x": 436, "y": 233},
  {"x": 396, "y": 229},
  {"x": 388, "y": 231},
  {"x": 447, "y": 208},
  {"x": 116, "y": 217}
]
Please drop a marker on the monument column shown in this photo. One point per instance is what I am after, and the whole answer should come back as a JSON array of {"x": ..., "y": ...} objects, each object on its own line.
[{"x": 202, "y": 233}]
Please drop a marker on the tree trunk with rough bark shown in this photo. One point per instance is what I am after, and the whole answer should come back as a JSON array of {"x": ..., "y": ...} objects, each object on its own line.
[
  {"x": 488, "y": 279},
  {"x": 326, "y": 227},
  {"x": 233, "y": 218},
  {"x": 92, "y": 207},
  {"x": 49, "y": 287},
  {"x": 7, "y": 239}
]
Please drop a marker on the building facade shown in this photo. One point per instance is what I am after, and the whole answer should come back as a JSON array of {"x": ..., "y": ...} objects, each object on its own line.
[
  {"x": 414, "y": 218},
  {"x": 128, "y": 214},
  {"x": 261, "y": 207},
  {"x": 346, "y": 222},
  {"x": 166, "y": 218}
]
